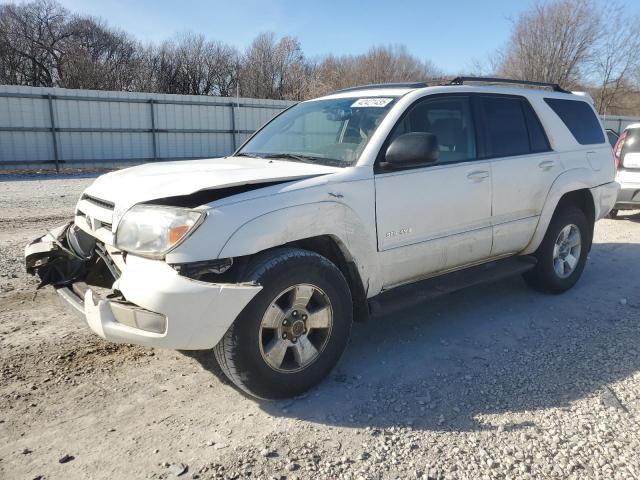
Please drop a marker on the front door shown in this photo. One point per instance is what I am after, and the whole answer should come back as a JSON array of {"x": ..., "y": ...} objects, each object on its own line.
[{"x": 436, "y": 217}]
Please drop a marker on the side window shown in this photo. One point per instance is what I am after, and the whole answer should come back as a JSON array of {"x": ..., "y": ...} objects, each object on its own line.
[
  {"x": 450, "y": 120},
  {"x": 505, "y": 126},
  {"x": 579, "y": 118},
  {"x": 537, "y": 138}
]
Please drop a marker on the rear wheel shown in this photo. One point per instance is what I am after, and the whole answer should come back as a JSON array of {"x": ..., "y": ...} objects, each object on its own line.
[
  {"x": 563, "y": 252},
  {"x": 289, "y": 337},
  {"x": 613, "y": 213}
]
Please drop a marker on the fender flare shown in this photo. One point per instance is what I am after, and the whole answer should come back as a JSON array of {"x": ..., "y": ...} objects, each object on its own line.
[
  {"x": 569, "y": 181},
  {"x": 300, "y": 222}
]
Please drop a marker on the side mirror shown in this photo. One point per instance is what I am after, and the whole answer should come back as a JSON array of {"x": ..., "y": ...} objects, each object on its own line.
[{"x": 412, "y": 150}]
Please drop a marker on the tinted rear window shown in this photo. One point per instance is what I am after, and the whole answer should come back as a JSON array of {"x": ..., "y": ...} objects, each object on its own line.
[
  {"x": 631, "y": 142},
  {"x": 506, "y": 127},
  {"x": 579, "y": 118},
  {"x": 537, "y": 136}
]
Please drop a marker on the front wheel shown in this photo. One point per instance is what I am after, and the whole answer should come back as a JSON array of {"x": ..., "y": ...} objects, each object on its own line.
[
  {"x": 563, "y": 252},
  {"x": 289, "y": 337}
]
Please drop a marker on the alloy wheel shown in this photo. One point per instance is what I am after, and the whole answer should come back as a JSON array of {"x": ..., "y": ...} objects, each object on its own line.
[{"x": 295, "y": 328}]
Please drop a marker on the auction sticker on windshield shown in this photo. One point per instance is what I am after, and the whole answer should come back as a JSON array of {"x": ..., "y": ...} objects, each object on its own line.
[{"x": 372, "y": 102}]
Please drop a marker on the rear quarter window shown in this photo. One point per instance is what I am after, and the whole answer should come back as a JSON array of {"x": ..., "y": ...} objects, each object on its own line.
[
  {"x": 537, "y": 136},
  {"x": 579, "y": 118}
]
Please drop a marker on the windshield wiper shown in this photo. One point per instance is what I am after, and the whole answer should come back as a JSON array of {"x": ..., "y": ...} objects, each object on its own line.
[
  {"x": 288, "y": 156},
  {"x": 296, "y": 157},
  {"x": 293, "y": 156},
  {"x": 313, "y": 159}
]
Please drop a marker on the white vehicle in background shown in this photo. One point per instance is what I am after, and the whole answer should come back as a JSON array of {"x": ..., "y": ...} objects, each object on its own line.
[
  {"x": 627, "y": 153},
  {"x": 268, "y": 255}
]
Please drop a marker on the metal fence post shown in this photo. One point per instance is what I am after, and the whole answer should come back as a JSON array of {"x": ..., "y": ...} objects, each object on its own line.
[
  {"x": 54, "y": 136},
  {"x": 233, "y": 126},
  {"x": 153, "y": 130}
]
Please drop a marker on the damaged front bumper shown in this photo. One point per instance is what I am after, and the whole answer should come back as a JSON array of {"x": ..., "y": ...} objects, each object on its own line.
[{"x": 149, "y": 303}]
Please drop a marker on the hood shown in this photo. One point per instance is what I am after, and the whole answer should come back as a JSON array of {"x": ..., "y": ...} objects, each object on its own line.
[{"x": 151, "y": 181}]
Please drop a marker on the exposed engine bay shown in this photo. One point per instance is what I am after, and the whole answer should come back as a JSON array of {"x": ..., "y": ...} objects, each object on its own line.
[{"x": 75, "y": 256}]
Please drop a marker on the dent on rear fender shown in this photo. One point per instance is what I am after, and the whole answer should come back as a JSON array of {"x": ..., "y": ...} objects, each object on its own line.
[{"x": 569, "y": 181}]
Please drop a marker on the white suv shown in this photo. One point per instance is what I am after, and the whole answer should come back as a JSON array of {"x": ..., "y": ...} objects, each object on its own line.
[{"x": 268, "y": 255}]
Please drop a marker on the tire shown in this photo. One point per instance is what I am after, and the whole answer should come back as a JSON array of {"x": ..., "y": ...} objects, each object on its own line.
[
  {"x": 613, "y": 213},
  {"x": 250, "y": 353},
  {"x": 546, "y": 277}
]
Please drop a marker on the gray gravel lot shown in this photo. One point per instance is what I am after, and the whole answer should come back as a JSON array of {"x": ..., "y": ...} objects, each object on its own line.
[{"x": 492, "y": 382}]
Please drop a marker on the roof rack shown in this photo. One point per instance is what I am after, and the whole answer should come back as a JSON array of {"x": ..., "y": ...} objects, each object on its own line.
[
  {"x": 553, "y": 86},
  {"x": 385, "y": 85}
]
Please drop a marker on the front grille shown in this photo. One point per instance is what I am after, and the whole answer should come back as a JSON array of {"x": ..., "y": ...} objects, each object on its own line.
[
  {"x": 94, "y": 224},
  {"x": 97, "y": 201}
]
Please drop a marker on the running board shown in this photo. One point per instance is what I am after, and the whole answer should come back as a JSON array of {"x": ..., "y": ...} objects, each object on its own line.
[{"x": 434, "y": 287}]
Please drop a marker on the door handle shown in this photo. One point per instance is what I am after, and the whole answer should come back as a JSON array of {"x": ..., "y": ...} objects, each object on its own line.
[
  {"x": 547, "y": 164},
  {"x": 477, "y": 175}
]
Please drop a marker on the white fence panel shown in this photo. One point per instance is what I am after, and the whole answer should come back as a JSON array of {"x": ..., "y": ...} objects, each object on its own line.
[{"x": 42, "y": 127}]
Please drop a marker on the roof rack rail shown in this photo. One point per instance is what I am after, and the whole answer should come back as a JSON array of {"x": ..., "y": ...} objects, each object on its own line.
[
  {"x": 461, "y": 80},
  {"x": 384, "y": 85}
]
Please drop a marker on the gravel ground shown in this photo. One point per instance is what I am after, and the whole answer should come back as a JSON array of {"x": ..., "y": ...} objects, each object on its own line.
[{"x": 492, "y": 382}]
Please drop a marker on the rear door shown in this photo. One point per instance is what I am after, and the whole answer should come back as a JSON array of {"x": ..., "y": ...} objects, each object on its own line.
[{"x": 523, "y": 168}]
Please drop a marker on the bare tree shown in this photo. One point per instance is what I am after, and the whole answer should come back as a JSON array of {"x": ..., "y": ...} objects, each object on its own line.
[
  {"x": 486, "y": 66},
  {"x": 223, "y": 65},
  {"x": 562, "y": 41},
  {"x": 37, "y": 35},
  {"x": 553, "y": 42},
  {"x": 191, "y": 65},
  {"x": 389, "y": 64},
  {"x": 98, "y": 57},
  {"x": 273, "y": 68},
  {"x": 379, "y": 65},
  {"x": 11, "y": 62},
  {"x": 42, "y": 44},
  {"x": 616, "y": 61}
]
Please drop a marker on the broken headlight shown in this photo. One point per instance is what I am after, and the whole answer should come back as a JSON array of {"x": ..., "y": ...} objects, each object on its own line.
[{"x": 152, "y": 230}]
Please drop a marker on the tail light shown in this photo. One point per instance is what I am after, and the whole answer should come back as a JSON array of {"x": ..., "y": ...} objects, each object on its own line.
[{"x": 617, "y": 149}]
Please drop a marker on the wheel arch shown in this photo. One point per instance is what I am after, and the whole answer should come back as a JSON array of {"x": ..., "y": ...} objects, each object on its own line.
[
  {"x": 571, "y": 188},
  {"x": 330, "y": 229},
  {"x": 583, "y": 199},
  {"x": 336, "y": 252}
]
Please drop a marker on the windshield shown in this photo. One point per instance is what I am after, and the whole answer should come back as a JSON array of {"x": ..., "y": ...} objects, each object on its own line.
[{"x": 328, "y": 132}]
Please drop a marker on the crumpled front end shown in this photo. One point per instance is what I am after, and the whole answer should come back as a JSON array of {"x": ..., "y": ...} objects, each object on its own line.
[{"x": 131, "y": 299}]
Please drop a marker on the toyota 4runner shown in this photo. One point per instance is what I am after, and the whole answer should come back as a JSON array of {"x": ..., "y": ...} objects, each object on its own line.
[{"x": 266, "y": 257}]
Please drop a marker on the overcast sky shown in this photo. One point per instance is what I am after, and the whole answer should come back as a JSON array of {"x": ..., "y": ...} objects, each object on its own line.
[{"x": 452, "y": 34}]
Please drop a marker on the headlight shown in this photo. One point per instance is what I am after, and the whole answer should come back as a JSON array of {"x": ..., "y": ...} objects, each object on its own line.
[{"x": 154, "y": 230}]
